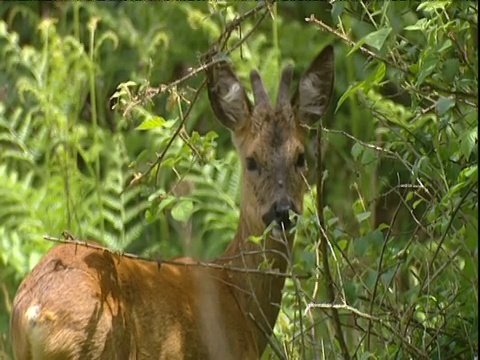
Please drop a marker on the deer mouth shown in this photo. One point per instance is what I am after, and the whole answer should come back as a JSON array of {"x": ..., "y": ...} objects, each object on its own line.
[{"x": 281, "y": 213}]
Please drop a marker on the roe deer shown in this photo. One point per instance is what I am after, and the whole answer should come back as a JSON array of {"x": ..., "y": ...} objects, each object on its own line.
[{"x": 84, "y": 303}]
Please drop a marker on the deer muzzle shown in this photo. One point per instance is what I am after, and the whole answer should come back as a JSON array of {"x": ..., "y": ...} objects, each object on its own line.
[{"x": 280, "y": 213}]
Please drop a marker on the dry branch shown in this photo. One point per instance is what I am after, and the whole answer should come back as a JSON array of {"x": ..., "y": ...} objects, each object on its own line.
[{"x": 70, "y": 239}]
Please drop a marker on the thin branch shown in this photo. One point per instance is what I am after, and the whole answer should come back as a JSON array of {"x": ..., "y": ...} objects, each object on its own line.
[
  {"x": 272, "y": 344},
  {"x": 326, "y": 306},
  {"x": 324, "y": 248},
  {"x": 342, "y": 307},
  {"x": 379, "y": 272},
  {"x": 138, "y": 178},
  {"x": 178, "y": 131},
  {"x": 213, "y": 59},
  {"x": 220, "y": 44},
  {"x": 69, "y": 239},
  {"x": 449, "y": 225},
  {"x": 405, "y": 70},
  {"x": 463, "y": 53}
]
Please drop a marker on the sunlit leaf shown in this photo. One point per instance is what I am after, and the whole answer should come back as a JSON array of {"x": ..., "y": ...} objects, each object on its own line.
[
  {"x": 377, "y": 39},
  {"x": 183, "y": 210},
  {"x": 151, "y": 123}
]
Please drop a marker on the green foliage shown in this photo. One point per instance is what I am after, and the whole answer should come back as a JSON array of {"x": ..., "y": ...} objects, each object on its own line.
[
  {"x": 410, "y": 260},
  {"x": 91, "y": 142}
]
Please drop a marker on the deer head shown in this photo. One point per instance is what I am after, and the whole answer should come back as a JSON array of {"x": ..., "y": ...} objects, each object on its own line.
[{"x": 271, "y": 141}]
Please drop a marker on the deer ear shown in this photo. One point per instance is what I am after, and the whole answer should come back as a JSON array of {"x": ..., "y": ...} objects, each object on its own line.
[
  {"x": 315, "y": 88},
  {"x": 227, "y": 97}
]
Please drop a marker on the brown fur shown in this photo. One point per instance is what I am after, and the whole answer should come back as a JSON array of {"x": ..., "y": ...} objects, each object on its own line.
[{"x": 84, "y": 303}]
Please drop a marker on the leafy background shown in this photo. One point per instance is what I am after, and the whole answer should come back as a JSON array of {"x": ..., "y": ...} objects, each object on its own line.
[{"x": 82, "y": 120}]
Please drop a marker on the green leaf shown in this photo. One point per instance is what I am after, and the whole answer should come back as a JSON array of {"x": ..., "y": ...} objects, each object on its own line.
[
  {"x": 444, "y": 104},
  {"x": 342, "y": 244},
  {"x": 160, "y": 192},
  {"x": 369, "y": 157},
  {"x": 360, "y": 246},
  {"x": 149, "y": 217},
  {"x": 255, "y": 239},
  {"x": 417, "y": 202},
  {"x": 357, "y": 150},
  {"x": 383, "y": 226},
  {"x": 421, "y": 25},
  {"x": 351, "y": 89},
  {"x": 165, "y": 203},
  {"x": 428, "y": 64},
  {"x": 151, "y": 123},
  {"x": 373, "y": 239},
  {"x": 471, "y": 236},
  {"x": 387, "y": 276},
  {"x": 465, "y": 178},
  {"x": 183, "y": 210},
  {"x": 351, "y": 292},
  {"x": 468, "y": 141},
  {"x": 450, "y": 69},
  {"x": 373, "y": 79},
  {"x": 337, "y": 9},
  {"x": 430, "y": 6},
  {"x": 377, "y": 39},
  {"x": 363, "y": 216},
  {"x": 169, "y": 162},
  {"x": 368, "y": 356},
  {"x": 444, "y": 46},
  {"x": 128, "y": 84}
]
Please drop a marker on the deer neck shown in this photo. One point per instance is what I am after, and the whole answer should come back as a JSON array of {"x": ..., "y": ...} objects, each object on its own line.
[{"x": 258, "y": 294}]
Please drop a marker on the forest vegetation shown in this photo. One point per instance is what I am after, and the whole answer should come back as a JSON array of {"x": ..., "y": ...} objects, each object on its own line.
[{"x": 106, "y": 133}]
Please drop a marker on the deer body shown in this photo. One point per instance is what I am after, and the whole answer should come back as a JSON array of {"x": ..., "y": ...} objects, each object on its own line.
[
  {"x": 84, "y": 303},
  {"x": 114, "y": 307}
]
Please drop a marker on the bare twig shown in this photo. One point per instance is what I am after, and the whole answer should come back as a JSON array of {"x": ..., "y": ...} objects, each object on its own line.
[
  {"x": 324, "y": 248},
  {"x": 177, "y": 132},
  {"x": 342, "y": 307},
  {"x": 137, "y": 179},
  {"x": 463, "y": 53},
  {"x": 213, "y": 59},
  {"x": 192, "y": 263},
  {"x": 326, "y": 306},
  {"x": 405, "y": 70},
  {"x": 449, "y": 225},
  {"x": 379, "y": 272},
  {"x": 219, "y": 45}
]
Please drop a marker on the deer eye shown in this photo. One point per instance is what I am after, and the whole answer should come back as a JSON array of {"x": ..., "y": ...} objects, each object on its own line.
[
  {"x": 251, "y": 164},
  {"x": 300, "y": 162}
]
